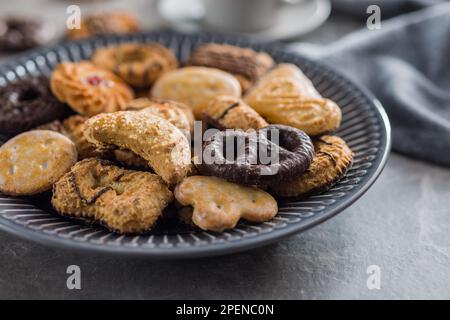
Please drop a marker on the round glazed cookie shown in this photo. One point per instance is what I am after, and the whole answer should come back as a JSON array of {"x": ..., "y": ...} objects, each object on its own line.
[
  {"x": 21, "y": 33},
  {"x": 218, "y": 204},
  {"x": 176, "y": 113},
  {"x": 155, "y": 139},
  {"x": 114, "y": 22},
  {"x": 332, "y": 160},
  {"x": 32, "y": 161},
  {"x": 88, "y": 89},
  {"x": 288, "y": 153},
  {"x": 28, "y": 103},
  {"x": 138, "y": 64},
  {"x": 124, "y": 201},
  {"x": 245, "y": 64},
  {"x": 224, "y": 112},
  {"x": 286, "y": 96},
  {"x": 195, "y": 86}
]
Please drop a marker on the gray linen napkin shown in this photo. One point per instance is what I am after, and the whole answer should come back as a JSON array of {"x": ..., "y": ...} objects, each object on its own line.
[{"x": 406, "y": 64}]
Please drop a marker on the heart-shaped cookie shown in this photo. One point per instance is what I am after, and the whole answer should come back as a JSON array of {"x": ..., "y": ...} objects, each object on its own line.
[{"x": 286, "y": 96}]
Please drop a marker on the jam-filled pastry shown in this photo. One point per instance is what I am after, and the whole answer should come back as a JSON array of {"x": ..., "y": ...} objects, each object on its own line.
[
  {"x": 113, "y": 22},
  {"x": 245, "y": 64},
  {"x": 88, "y": 89},
  {"x": 286, "y": 96},
  {"x": 138, "y": 64},
  {"x": 332, "y": 160},
  {"x": 195, "y": 86}
]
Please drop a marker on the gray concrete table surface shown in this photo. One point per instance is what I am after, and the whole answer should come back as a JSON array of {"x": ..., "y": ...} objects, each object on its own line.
[{"x": 402, "y": 225}]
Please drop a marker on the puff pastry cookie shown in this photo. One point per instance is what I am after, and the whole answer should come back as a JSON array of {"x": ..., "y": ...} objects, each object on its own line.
[{"x": 286, "y": 96}]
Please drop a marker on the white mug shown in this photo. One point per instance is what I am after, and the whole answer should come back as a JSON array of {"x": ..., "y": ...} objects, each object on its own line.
[{"x": 242, "y": 15}]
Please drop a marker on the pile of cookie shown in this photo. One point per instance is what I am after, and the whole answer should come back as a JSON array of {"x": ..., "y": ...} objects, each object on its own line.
[{"x": 111, "y": 138}]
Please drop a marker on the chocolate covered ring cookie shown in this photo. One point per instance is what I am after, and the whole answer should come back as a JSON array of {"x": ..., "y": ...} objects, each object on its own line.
[
  {"x": 28, "y": 103},
  {"x": 114, "y": 22},
  {"x": 332, "y": 160},
  {"x": 20, "y": 33},
  {"x": 225, "y": 112},
  {"x": 138, "y": 64},
  {"x": 125, "y": 201},
  {"x": 245, "y": 64},
  {"x": 258, "y": 158}
]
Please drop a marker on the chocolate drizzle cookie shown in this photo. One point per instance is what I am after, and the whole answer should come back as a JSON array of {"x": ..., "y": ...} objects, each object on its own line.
[
  {"x": 269, "y": 155},
  {"x": 245, "y": 64},
  {"x": 138, "y": 64},
  {"x": 332, "y": 160},
  {"x": 115, "y": 22},
  {"x": 224, "y": 112},
  {"x": 124, "y": 201},
  {"x": 28, "y": 103}
]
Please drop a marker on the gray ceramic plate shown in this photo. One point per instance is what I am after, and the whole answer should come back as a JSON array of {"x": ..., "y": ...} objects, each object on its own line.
[{"x": 365, "y": 127}]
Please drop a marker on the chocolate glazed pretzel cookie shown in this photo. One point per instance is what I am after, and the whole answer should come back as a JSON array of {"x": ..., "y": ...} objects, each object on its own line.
[{"x": 295, "y": 152}]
